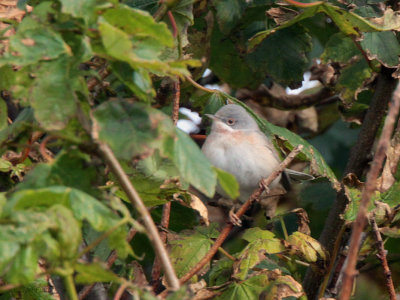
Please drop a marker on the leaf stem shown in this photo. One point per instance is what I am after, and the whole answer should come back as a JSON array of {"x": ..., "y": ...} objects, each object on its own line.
[
  {"x": 70, "y": 287},
  {"x": 285, "y": 234},
  {"x": 200, "y": 86},
  {"x": 224, "y": 252}
]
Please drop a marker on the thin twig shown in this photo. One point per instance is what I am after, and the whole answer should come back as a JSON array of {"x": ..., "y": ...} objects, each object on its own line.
[
  {"x": 200, "y": 86},
  {"x": 120, "y": 291},
  {"x": 173, "y": 24},
  {"x": 382, "y": 257},
  {"x": 136, "y": 201},
  {"x": 226, "y": 230},
  {"x": 42, "y": 148},
  {"x": 224, "y": 252},
  {"x": 156, "y": 271},
  {"x": 369, "y": 189}
]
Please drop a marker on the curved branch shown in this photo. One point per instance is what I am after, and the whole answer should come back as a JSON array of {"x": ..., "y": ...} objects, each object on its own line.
[{"x": 276, "y": 97}]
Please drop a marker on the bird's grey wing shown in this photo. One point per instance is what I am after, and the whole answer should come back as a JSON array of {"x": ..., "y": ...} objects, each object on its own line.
[{"x": 298, "y": 176}]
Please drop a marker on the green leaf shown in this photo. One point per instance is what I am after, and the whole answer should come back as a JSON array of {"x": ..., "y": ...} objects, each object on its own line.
[
  {"x": 293, "y": 45},
  {"x": 220, "y": 272},
  {"x": 193, "y": 166},
  {"x": 81, "y": 9},
  {"x": 339, "y": 48},
  {"x": 34, "y": 42},
  {"x": 23, "y": 267},
  {"x": 3, "y": 114},
  {"x": 132, "y": 129},
  {"x": 187, "y": 251},
  {"x": 70, "y": 168},
  {"x": 5, "y": 165},
  {"x": 245, "y": 290},
  {"x": 94, "y": 272},
  {"x": 354, "y": 195},
  {"x": 59, "y": 91},
  {"x": 138, "y": 81},
  {"x": 348, "y": 22},
  {"x": 382, "y": 46},
  {"x": 228, "y": 13},
  {"x": 308, "y": 248},
  {"x": 260, "y": 243},
  {"x": 69, "y": 237},
  {"x": 228, "y": 183}
]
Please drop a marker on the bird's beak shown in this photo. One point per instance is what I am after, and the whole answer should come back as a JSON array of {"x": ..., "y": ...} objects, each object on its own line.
[{"x": 212, "y": 117}]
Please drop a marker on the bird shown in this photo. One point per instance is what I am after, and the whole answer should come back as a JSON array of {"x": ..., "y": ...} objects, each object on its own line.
[{"x": 236, "y": 145}]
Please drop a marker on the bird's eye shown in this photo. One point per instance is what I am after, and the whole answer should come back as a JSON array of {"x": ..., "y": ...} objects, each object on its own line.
[{"x": 230, "y": 121}]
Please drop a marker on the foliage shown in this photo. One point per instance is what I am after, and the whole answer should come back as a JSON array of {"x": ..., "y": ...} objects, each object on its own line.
[{"x": 76, "y": 73}]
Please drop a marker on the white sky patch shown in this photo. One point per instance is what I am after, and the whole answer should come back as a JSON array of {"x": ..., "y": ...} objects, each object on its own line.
[
  {"x": 306, "y": 84},
  {"x": 191, "y": 125}
]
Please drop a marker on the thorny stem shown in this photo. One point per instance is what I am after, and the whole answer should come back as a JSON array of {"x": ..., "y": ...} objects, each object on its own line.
[
  {"x": 382, "y": 257},
  {"x": 369, "y": 188},
  {"x": 136, "y": 201},
  {"x": 226, "y": 230}
]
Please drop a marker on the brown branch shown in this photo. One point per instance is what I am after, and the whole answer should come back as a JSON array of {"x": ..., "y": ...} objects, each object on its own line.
[
  {"x": 120, "y": 291},
  {"x": 152, "y": 232},
  {"x": 276, "y": 97},
  {"x": 110, "y": 261},
  {"x": 256, "y": 194},
  {"x": 173, "y": 24},
  {"x": 358, "y": 160},
  {"x": 382, "y": 257},
  {"x": 43, "y": 150},
  {"x": 369, "y": 189},
  {"x": 156, "y": 271}
]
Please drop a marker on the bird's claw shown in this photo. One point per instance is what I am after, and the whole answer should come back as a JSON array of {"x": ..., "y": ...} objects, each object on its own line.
[{"x": 234, "y": 219}]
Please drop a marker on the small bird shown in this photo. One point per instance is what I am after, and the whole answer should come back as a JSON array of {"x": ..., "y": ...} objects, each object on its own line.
[{"x": 237, "y": 145}]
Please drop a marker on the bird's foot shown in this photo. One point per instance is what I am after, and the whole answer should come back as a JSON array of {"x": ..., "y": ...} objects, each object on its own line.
[{"x": 234, "y": 219}]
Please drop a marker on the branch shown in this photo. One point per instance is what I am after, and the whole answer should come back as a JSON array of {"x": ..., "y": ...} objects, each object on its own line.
[
  {"x": 358, "y": 160},
  {"x": 276, "y": 97},
  {"x": 137, "y": 202},
  {"x": 256, "y": 194},
  {"x": 382, "y": 257},
  {"x": 156, "y": 271},
  {"x": 369, "y": 189}
]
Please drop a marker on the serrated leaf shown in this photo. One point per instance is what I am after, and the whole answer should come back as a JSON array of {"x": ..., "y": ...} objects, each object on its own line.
[
  {"x": 309, "y": 248},
  {"x": 354, "y": 195},
  {"x": 94, "y": 272},
  {"x": 220, "y": 272},
  {"x": 81, "y": 9},
  {"x": 23, "y": 267},
  {"x": 193, "y": 166},
  {"x": 34, "y": 42},
  {"x": 284, "y": 287},
  {"x": 132, "y": 129},
  {"x": 187, "y": 251},
  {"x": 339, "y": 48},
  {"x": 348, "y": 22},
  {"x": 228, "y": 183},
  {"x": 249, "y": 289},
  {"x": 382, "y": 46},
  {"x": 59, "y": 91},
  {"x": 261, "y": 242}
]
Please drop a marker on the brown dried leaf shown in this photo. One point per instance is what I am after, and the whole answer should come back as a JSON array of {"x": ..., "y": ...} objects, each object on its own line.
[
  {"x": 281, "y": 14},
  {"x": 198, "y": 205},
  {"x": 302, "y": 220}
]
